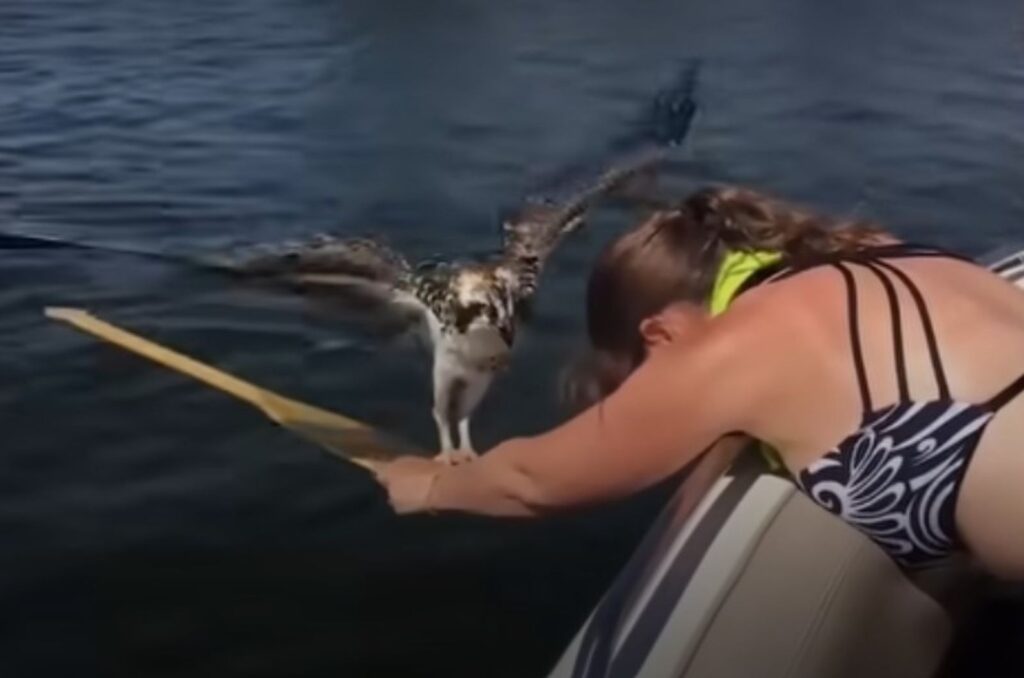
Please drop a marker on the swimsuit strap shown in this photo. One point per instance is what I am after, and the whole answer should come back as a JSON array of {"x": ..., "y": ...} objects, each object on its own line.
[
  {"x": 908, "y": 249},
  {"x": 926, "y": 323},
  {"x": 897, "y": 329},
  {"x": 855, "y": 346},
  {"x": 1011, "y": 391},
  {"x": 872, "y": 254}
]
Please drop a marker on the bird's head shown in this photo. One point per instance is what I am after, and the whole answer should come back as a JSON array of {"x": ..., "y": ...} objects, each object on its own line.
[{"x": 483, "y": 300}]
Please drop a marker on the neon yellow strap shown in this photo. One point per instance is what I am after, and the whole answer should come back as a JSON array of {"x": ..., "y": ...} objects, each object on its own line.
[{"x": 736, "y": 269}]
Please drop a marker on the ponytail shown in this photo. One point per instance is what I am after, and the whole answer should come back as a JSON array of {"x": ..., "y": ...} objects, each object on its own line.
[{"x": 675, "y": 255}]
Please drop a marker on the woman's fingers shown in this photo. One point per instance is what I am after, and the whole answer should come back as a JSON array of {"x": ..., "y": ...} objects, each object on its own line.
[{"x": 408, "y": 481}]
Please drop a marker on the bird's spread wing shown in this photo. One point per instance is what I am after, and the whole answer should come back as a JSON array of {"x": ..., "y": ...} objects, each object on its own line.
[
  {"x": 359, "y": 271},
  {"x": 536, "y": 229},
  {"x": 362, "y": 257}
]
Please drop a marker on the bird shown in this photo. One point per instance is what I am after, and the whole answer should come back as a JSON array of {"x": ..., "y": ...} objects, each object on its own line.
[{"x": 470, "y": 310}]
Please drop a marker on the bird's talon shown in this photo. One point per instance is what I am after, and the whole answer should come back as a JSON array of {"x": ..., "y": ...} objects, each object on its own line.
[
  {"x": 446, "y": 457},
  {"x": 466, "y": 455},
  {"x": 456, "y": 457}
]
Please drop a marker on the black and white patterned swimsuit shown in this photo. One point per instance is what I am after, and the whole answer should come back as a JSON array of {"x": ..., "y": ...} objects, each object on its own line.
[{"x": 898, "y": 476}]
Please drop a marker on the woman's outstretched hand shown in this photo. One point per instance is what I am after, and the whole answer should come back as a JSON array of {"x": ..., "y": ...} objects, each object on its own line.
[{"x": 409, "y": 482}]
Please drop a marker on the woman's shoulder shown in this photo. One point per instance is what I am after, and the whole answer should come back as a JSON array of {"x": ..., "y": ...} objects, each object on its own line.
[{"x": 779, "y": 302}]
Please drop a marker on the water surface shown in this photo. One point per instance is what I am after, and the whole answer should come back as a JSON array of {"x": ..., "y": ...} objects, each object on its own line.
[{"x": 151, "y": 527}]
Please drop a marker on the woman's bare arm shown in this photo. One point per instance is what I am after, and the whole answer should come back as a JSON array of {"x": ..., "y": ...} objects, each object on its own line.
[{"x": 675, "y": 406}]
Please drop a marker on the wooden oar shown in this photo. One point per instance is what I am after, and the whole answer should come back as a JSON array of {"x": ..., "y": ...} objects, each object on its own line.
[{"x": 346, "y": 438}]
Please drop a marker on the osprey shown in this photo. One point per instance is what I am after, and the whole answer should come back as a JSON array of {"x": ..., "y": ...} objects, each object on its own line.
[{"x": 471, "y": 310}]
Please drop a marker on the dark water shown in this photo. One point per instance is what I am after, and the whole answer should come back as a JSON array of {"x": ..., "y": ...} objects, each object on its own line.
[{"x": 151, "y": 527}]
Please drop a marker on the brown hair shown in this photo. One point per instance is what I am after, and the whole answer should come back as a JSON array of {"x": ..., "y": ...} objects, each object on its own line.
[{"x": 674, "y": 255}]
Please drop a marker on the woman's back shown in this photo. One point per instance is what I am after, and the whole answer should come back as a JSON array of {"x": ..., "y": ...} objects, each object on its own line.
[{"x": 977, "y": 324}]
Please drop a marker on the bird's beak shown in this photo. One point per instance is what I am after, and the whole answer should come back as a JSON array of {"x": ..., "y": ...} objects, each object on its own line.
[{"x": 508, "y": 333}]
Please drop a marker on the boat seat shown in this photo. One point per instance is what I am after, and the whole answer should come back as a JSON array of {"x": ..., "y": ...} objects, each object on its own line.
[
  {"x": 1008, "y": 262},
  {"x": 759, "y": 582}
]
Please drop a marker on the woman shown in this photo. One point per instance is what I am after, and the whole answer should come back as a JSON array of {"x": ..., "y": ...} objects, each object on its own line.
[{"x": 884, "y": 374}]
